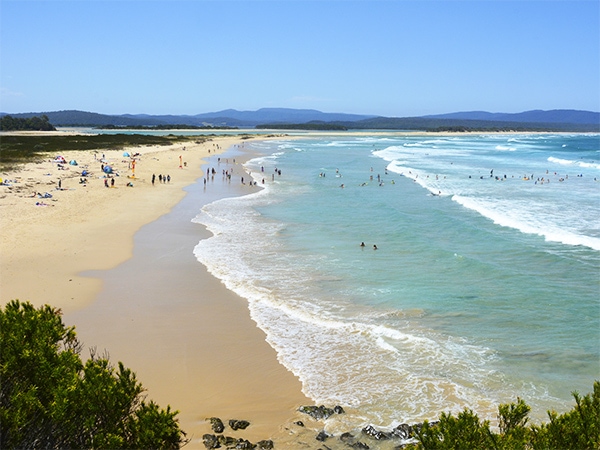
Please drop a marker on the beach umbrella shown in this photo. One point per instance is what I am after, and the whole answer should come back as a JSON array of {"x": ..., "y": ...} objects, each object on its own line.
[{"x": 107, "y": 169}]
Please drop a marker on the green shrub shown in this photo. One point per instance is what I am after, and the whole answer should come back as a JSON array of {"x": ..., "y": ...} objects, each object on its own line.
[
  {"x": 50, "y": 399},
  {"x": 577, "y": 429}
]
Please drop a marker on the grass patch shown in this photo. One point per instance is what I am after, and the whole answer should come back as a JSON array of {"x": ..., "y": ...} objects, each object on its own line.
[{"x": 17, "y": 150}]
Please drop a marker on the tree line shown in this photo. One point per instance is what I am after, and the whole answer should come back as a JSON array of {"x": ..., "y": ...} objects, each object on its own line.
[{"x": 10, "y": 123}]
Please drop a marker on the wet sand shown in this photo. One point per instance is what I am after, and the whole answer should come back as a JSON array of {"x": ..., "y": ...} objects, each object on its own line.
[
  {"x": 190, "y": 341},
  {"x": 119, "y": 262}
]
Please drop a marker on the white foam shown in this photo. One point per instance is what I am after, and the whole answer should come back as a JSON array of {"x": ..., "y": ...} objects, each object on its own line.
[
  {"x": 334, "y": 357},
  {"x": 570, "y": 162},
  {"x": 505, "y": 148},
  {"x": 344, "y": 353},
  {"x": 526, "y": 223}
]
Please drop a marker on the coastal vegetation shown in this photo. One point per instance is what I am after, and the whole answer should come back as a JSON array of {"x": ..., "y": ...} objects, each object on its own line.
[
  {"x": 51, "y": 398},
  {"x": 435, "y": 125},
  {"x": 17, "y": 149},
  {"x": 575, "y": 429},
  {"x": 443, "y": 124},
  {"x": 9, "y": 123}
]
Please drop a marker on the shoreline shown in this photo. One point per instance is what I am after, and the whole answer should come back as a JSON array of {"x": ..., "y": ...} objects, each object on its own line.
[
  {"x": 84, "y": 226},
  {"x": 201, "y": 354},
  {"x": 157, "y": 309},
  {"x": 200, "y": 351}
]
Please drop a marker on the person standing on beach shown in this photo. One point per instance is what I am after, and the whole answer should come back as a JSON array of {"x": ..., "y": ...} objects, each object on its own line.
[{"x": 153, "y": 178}]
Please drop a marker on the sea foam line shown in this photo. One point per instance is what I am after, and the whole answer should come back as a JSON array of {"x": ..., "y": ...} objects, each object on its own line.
[
  {"x": 569, "y": 162},
  {"x": 504, "y": 219}
]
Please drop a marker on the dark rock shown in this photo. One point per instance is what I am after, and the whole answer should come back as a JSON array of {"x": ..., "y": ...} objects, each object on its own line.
[
  {"x": 350, "y": 441},
  {"x": 210, "y": 441},
  {"x": 403, "y": 431},
  {"x": 317, "y": 412},
  {"x": 347, "y": 437},
  {"x": 216, "y": 424},
  {"x": 243, "y": 444},
  {"x": 227, "y": 441},
  {"x": 265, "y": 445},
  {"x": 339, "y": 410},
  {"x": 322, "y": 436},
  {"x": 238, "y": 424},
  {"x": 299, "y": 423},
  {"x": 360, "y": 445},
  {"x": 369, "y": 430}
]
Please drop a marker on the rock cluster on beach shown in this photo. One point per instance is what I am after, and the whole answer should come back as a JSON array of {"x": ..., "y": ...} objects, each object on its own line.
[
  {"x": 368, "y": 437},
  {"x": 219, "y": 440}
]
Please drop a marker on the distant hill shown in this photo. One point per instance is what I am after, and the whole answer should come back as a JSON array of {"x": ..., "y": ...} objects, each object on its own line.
[
  {"x": 87, "y": 119},
  {"x": 228, "y": 117},
  {"x": 281, "y": 115},
  {"x": 555, "y": 120},
  {"x": 535, "y": 116},
  {"x": 232, "y": 117},
  {"x": 445, "y": 124}
]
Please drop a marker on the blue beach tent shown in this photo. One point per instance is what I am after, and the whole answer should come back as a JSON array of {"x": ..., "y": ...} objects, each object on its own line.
[{"x": 107, "y": 169}]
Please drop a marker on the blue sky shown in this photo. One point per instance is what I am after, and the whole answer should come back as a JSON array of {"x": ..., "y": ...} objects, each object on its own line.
[{"x": 384, "y": 57}]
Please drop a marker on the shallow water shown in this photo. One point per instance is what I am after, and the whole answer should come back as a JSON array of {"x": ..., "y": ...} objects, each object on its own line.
[{"x": 484, "y": 285}]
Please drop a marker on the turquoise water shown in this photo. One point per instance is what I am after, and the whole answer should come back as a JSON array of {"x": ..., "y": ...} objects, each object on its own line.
[{"x": 485, "y": 284}]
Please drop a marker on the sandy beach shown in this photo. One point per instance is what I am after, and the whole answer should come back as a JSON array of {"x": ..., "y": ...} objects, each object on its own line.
[{"x": 118, "y": 261}]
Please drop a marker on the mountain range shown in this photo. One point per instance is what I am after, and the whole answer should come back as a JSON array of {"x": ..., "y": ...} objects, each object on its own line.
[{"x": 557, "y": 120}]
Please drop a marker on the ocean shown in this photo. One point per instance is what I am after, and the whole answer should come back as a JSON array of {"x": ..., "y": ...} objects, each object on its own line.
[{"x": 484, "y": 285}]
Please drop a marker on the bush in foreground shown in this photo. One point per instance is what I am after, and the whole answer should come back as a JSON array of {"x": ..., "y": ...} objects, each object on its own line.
[
  {"x": 50, "y": 398},
  {"x": 577, "y": 429}
]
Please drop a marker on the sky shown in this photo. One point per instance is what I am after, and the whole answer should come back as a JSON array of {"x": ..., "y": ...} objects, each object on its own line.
[{"x": 396, "y": 58}]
